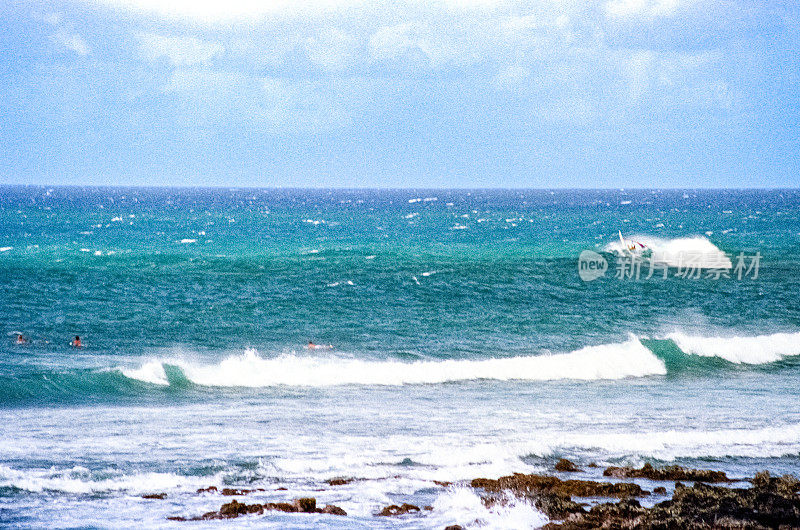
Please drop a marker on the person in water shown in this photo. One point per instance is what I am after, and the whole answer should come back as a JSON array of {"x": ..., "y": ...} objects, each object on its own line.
[
  {"x": 21, "y": 339},
  {"x": 76, "y": 342}
]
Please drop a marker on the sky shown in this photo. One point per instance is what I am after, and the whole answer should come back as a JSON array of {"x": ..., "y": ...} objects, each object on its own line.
[{"x": 417, "y": 94}]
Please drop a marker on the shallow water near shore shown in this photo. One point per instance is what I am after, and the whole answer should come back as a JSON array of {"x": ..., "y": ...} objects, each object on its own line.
[{"x": 464, "y": 345}]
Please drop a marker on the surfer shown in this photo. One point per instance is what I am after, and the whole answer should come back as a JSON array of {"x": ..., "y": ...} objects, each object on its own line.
[
  {"x": 76, "y": 342},
  {"x": 312, "y": 346}
]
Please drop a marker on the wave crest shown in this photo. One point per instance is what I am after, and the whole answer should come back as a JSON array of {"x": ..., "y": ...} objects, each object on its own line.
[
  {"x": 759, "y": 349},
  {"x": 608, "y": 361}
]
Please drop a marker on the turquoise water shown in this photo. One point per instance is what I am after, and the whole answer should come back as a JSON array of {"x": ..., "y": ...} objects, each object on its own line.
[{"x": 463, "y": 344}]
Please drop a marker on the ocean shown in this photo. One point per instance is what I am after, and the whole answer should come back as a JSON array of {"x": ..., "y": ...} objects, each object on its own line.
[{"x": 457, "y": 339}]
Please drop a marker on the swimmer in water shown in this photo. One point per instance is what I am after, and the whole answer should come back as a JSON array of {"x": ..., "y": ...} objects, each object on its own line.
[
  {"x": 21, "y": 339},
  {"x": 76, "y": 342},
  {"x": 312, "y": 346}
]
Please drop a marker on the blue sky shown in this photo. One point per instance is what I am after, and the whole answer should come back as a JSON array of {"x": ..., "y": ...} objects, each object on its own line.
[{"x": 453, "y": 93}]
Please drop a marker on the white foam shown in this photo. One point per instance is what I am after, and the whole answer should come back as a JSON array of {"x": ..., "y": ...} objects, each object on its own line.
[
  {"x": 150, "y": 372},
  {"x": 463, "y": 506},
  {"x": 759, "y": 349},
  {"x": 680, "y": 252},
  {"x": 80, "y": 480},
  {"x": 686, "y": 443},
  {"x": 609, "y": 361},
  {"x": 5, "y": 249},
  {"x": 185, "y": 241}
]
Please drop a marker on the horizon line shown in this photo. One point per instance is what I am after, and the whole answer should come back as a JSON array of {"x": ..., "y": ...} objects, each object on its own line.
[{"x": 396, "y": 188}]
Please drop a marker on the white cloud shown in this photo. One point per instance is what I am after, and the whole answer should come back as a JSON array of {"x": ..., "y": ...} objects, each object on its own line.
[
  {"x": 212, "y": 11},
  {"x": 331, "y": 48},
  {"x": 273, "y": 105},
  {"x": 638, "y": 73},
  {"x": 437, "y": 45},
  {"x": 179, "y": 51},
  {"x": 301, "y": 105},
  {"x": 54, "y": 19},
  {"x": 674, "y": 79},
  {"x": 392, "y": 41},
  {"x": 511, "y": 77},
  {"x": 641, "y": 8},
  {"x": 72, "y": 42}
]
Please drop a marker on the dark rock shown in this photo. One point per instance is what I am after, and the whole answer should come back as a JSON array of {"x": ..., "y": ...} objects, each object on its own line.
[
  {"x": 233, "y": 509},
  {"x": 209, "y": 489},
  {"x": 210, "y": 515},
  {"x": 667, "y": 473},
  {"x": 231, "y": 491},
  {"x": 176, "y": 518},
  {"x": 442, "y": 483},
  {"x": 281, "y": 507},
  {"x": 454, "y": 527},
  {"x": 660, "y": 490},
  {"x": 537, "y": 484},
  {"x": 566, "y": 466},
  {"x": 398, "y": 510},
  {"x": 556, "y": 506},
  {"x": 306, "y": 504},
  {"x": 339, "y": 481},
  {"x": 159, "y": 496},
  {"x": 786, "y": 485},
  {"x": 332, "y": 510},
  {"x": 281, "y": 489},
  {"x": 770, "y": 503}
]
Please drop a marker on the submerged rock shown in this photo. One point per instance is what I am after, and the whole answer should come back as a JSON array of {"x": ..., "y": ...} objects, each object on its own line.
[
  {"x": 398, "y": 510},
  {"x": 339, "y": 481},
  {"x": 332, "y": 510},
  {"x": 232, "y": 491},
  {"x": 538, "y": 484},
  {"x": 159, "y": 496},
  {"x": 235, "y": 508},
  {"x": 566, "y": 466},
  {"x": 667, "y": 473}
]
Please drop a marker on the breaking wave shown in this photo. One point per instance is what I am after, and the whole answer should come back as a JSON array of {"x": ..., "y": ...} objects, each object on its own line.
[
  {"x": 760, "y": 349},
  {"x": 609, "y": 361},
  {"x": 680, "y": 252},
  {"x": 673, "y": 354},
  {"x": 463, "y": 506},
  {"x": 81, "y": 480}
]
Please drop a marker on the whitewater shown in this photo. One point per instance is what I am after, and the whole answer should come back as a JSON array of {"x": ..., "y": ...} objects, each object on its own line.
[{"x": 608, "y": 361}]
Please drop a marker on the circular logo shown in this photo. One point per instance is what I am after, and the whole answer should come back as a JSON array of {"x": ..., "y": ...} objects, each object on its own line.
[{"x": 591, "y": 265}]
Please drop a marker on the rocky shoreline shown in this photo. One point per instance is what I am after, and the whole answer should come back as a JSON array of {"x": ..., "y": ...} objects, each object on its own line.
[
  {"x": 710, "y": 502},
  {"x": 769, "y": 502}
]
